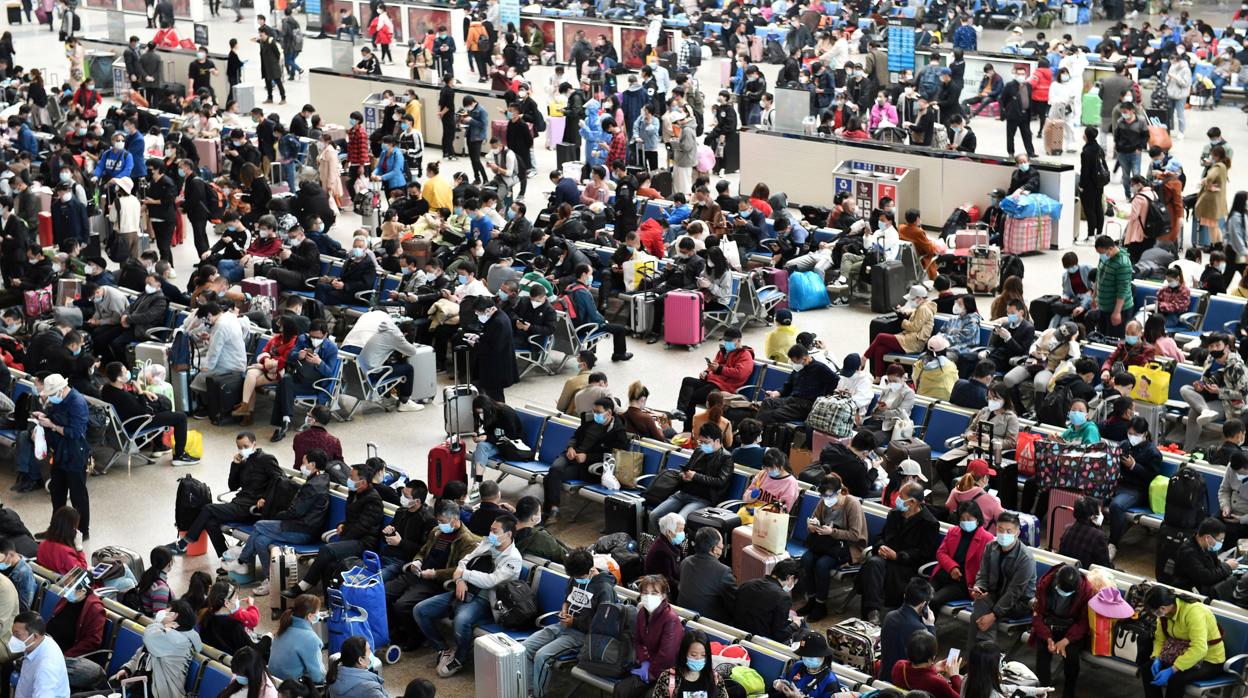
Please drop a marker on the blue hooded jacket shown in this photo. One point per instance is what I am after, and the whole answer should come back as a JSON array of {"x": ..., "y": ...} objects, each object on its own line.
[
  {"x": 596, "y": 146},
  {"x": 357, "y": 683}
]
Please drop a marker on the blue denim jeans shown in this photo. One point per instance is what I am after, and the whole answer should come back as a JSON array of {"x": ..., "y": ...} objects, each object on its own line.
[
  {"x": 481, "y": 457},
  {"x": 543, "y": 649},
  {"x": 1179, "y": 109},
  {"x": 1130, "y": 164},
  {"x": 288, "y": 171},
  {"x": 684, "y": 504},
  {"x": 465, "y": 615},
  {"x": 232, "y": 270},
  {"x": 1123, "y": 499},
  {"x": 1219, "y": 82},
  {"x": 292, "y": 68},
  {"x": 266, "y": 534}
]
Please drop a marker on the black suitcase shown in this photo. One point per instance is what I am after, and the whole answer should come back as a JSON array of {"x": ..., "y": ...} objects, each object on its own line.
[
  {"x": 722, "y": 520},
  {"x": 778, "y": 436},
  {"x": 662, "y": 183},
  {"x": 566, "y": 152},
  {"x": 889, "y": 323},
  {"x": 1041, "y": 310},
  {"x": 221, "y": 395},
  {"x": 1169, "y": 539},
  {"x": 888, "y": 285},
  {"x": 623, "y": 514},
  {"x": 15, "y": 14},
  {"x": 120, "y": 555},
  {"x": 915, "y": 449}
]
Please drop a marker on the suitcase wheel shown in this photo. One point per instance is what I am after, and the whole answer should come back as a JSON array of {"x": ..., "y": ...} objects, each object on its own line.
[{"x": 392, "y": 655}]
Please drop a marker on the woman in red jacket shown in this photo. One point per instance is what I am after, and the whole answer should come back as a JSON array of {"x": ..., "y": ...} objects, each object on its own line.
[
  {"x": 1040, "y": 81},
  {"x": 77, "y": 625},
  {"x": 59, "y": 549},
  {"x": 269, "y": 367},
  {"x": 920, "y": 671},
  {"x": 656, "y": 639},
  {"x": 959, "y": 556},
  {"x": 1059, "y": 623}
]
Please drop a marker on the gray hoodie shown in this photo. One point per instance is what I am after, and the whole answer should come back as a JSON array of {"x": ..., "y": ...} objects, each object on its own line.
[
  {"x": 170, "y": 651},
  {"x": 357, "y": 683}
]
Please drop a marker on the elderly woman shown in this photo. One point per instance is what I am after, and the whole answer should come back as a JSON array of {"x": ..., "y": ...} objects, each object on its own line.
[
  {"x": 666, "y": 551},
  {"x": 1050, "y": 350},
  {"x": 935, "y": 373}
]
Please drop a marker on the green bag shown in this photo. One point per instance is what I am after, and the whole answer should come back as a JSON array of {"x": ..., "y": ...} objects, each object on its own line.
[
  {"x": 1157, "y": 494},
  {"x": 750, "y": 680},
  {"x": 1090, "y": 114}
]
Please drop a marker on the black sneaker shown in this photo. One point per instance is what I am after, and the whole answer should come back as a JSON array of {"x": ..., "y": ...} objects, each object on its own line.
[
  {"x": 278, "y": 434},
  {"x": 622, "y": 357},
  {"x": 185, "y": 459},
  {"x": 178, "y": 547}
]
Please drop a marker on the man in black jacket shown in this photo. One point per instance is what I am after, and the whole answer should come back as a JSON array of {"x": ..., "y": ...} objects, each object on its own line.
[
  {"x": 849, "y": 462},
  {"x": 767, "y": 613},
  {"x": 908, "y": 541},
  {"x": 809, "y": 380},
  {"x": 532, "y": 316},
  {"x": 195, "y": 205},
  {"x": 681, "y": 274},
  {"x": 252, "y": 473},
  {"x": 359, "y": 273},
  {"x": 311, "y": 200},
  {"x": 1016, "y": 110},
  {"x": 1196, "y": 565},
  {"x": 598, "y": 435},
  {"x": 36, "y": 274},
  {"x": 299, "y": 524},
  {"x": 359, "y": 531},
  {"x": 145, "y": 312},
  {"x": 161, "y": 210},
  {"x": 239, "y": 151},
  {"x": 703, "y": 481},
  {"x": 406, "y": 534},
  {"x": 300, "y": 260},
  {"x": 707, "y": 586},
  {"x": 1012, "y": 338}
]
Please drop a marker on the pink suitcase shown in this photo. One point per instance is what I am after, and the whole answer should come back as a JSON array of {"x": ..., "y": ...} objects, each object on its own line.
[
  {"x": 207, "y": 149},
  {"x": 780, "y": 279},
  {"x": 749, "y": 562},
  {"x": 756, "y": 49},
  {"x": 260, "y": 287},
  {"x": 554, "y": 130},
  {"x": 682, "y": 318},
  {"x": 1025, "y": 235},
  {"x": 1061, "y": 514},
  {"x": 498, "y": 129}
]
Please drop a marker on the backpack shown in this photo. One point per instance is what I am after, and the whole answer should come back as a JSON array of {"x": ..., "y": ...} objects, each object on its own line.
[
  {"x": 833, "y": 414},
  {"x": 773, "y": 52},
  {"x": 1055, "y": 406},
  {"x": 608, "y": 647},
  {"x": 694, "y": 58},
  {"x": 1012, "y": 265},
  {"x": 1187, "y": 500},
  {"x": 514, "y": 605},
  {"x": 337, "y": 471},
  {"x": 958, "y": 220},
  {"x": 214, "y": 201},
  {"x": 1157, "y": 220},
  {"x": 191, "y": 497}
]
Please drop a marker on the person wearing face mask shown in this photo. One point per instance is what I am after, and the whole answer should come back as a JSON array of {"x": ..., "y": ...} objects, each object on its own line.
[
  {"x": 664, "y": 557},
  {"x": 1197, "y": 564},
  {"x": 1016, "y": 109},
  {"x": 1059, "y": 623},
  {"x": 1191, "y": 622},
  {"x": 473, "y": 596},
  {"x": 1220, "y": 390},
  {"x": 895, "y": 403},
  {"x": 960, "y": 554},
  {"x": 357, "y": 674},
  {"x": 691, "y": 674},
  {"x": 1005, "y": 585},
  {"x": 313, "y": 357},
  {"x": 657, "y": 639},
  {"x": 1085, "y": 540},
  {"x": 727, "y": 372},
  {"x": 1232, "y": 443},
  {"x": 1233, "y": 498},
  {"x": 225, "y": 621},
  {"x": 704, "y": 480},
  {"x": 115, "y": 163},
  {"x": 296, "y": 650},
  {"x": 836, "y": 536},
  {"x": 145, "y": 312},
  {"x": 532, "y": 538},
  {"x": 1024, "y": 179},
  {"x": 908, "y": 541},
  {"x": 934, "y": 374},
  {"x": 587, "y": 589},
  {"x": 1216, "y": 277},
  {"x": 77, "y": 625},
  {"x": 359, "y": 531},
  {"x": 768, "y": 613},
  {"x": 1012, "y": 338},
  {"x": 44, "y": 671},
  {"x": 974, "y": 487},
  {"x": 775, "y": 482},
  {"x": 359, "y": 273},
  {"x": 1131, "y": 351},
  {"x": 1079, "y": 428},
  {"x": 299, "y": 523}
]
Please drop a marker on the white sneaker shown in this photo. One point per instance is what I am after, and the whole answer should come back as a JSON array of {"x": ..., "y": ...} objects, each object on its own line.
[
  {"x": 262, "y": 589},
  {"x": 444, "y": 658},
  {"x": 1206, "y": 416},
  {"x": 1113, "y": 551},
  {"x": 239, "y": 568},
  {"x": 411, "y": 406},
  {"x": 474, "y": 491}
]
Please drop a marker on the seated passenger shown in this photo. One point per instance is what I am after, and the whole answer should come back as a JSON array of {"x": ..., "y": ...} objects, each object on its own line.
[
  {"x": 1059, "y": 623},
  {"x": 1192, "y": 623},
  {"x": 656, "y": 638},
  {"x": 704, "y": 480},
  {"x": 599, "y": 434},
  {"x": 1006, "y": 583},
  {"x": 252, "y": 472},
  {"x": 959, "y": 556},
  {"x": 922, "y": 671},
  {"x": 587, "y": 589},
  {"x": 707, "y": 586},
  {"x": 1084, "y": 540},
  {"x": 908, "y": 541},
  {"x": 359, "y": 531}
]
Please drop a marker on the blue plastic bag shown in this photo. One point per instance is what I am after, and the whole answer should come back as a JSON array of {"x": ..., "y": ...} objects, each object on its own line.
[
  {"x": 807, "y": 292},
  {"x": 1031, "y": 206},
  {"x": 363, "y": 590}
]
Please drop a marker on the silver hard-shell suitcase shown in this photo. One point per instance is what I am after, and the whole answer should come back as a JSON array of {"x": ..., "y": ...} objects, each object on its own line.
[
  {"x": 457, "y": 413},
  {"x": 499, "y": 667},
  {"x": 424, "y": 374},
  {"x": 283, "y": 575}
]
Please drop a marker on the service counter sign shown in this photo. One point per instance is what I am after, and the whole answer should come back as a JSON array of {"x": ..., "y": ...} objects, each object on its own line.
[{"x": 509, "y": 15}]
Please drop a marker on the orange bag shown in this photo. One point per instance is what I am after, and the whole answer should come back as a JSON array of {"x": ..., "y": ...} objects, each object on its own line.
[
  {"x": 1102, "y": 629},
  {"x": 1025, "y": 453}
]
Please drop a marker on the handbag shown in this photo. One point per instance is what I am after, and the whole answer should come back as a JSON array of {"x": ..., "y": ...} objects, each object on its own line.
[
  {"x": 770, "y": 531},
  {"x": 664, "y": 485},
  {"x": 1171, "y": 649},
  {"x": 628, "y": 466},
  {"x": 1152, "y": 383},
  {"x": 1025, "y": 452},
  {"x": 903, "y": 428}
]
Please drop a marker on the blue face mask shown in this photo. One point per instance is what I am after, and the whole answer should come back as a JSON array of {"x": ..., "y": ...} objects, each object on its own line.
[
  {"x": 1217, "y": 545},
  {"x": 1131, "y": 340},
  {"x": 502, "y": 295},
  {"x": 55, "y": 400},
  {"x": 969, "y": 526},
  {"x": 730, "y": 347},
  {"x": 679, "y": 538},
  {"x": 812, "y": 663},
  {"x": 707, "y": 448},
  {"x": 352, "y": 121},
  {"x": 1063, "y": 593},
  {"x": 493, "y": 539},
  {"x": 1012, "y": 318},
  {"x": 1077, "y": 419},
  {"x": 900, "y": 504},
  {"x": 445, "y": 528},
  {"x": 462, "y": 279},
  {"x": 695, "y": 664},
  {"x": 600, "y": 417},
  {"x": 240, "y": 680},
  {"x": 582, "y": 580},
  {"x": 353, "y": 485},
  {"x": 4, "y": 566},
  {"x": 1006, "y": 540},
  {"x": 77, "y": 352},
  {"x": 1024, "y": 167},
  {"x": 1104, "y": 257}
]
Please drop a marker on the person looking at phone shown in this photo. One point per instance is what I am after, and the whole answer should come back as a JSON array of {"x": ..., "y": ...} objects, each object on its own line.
[
  {"x": 1005, "y": 584},
  {"x": 812, "y": 675},
  {"x": 920, "y": 670},
  {"x": 913, "y": 616},
  {"x": 587, "y": 589},
  {"x": 1181, "y": 619}
]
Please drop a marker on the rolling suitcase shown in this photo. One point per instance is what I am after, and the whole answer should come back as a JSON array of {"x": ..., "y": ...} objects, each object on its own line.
[
  {"x": 45, "y": 229},
  {"x": 889, "y": 323},
  {"x": 916, "y": 450},
  {"x": 181, "y": 383},
  {"x": 447, "y": 462},
  {"x": 641, "y": 313},
  {"x": 425, "y": 374},
  {"x": 623, "y": 513},
  {"x": 855, "y": 643},
  {"x": 983, "y": 269},
  {"x": 206, "y": 149},
  {"x": 499, "y": 667},
  {"x": 723, "y": 520},
  {"x": 152, "y": 353},
  {"x": 68, "y": 291},
  {"x": 245, "y": 95},
  {"x": 262, "y": 287},
  {"x": 1054, "y": 134},
  {"x": 888, "y": 285},
  {"x": 566, "y": 152},
  {"x": 283, "y": 575},
  {"x": 221, "y": 394},
  {"x": 1041, "y": 310},
  {"x": 118, "y": 554},
  {"x": 682, "y": 319},
  {"x": 780, "y": 279},
  {"x": 754, "y": 562},
  {"x": 1070, "y": 13},
  {"x": 1061, "y": 513},
  {"x": 1028, "y": 529}
]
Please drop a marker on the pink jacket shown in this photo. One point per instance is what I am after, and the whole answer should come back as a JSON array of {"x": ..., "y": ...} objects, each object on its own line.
[
  {"x": 883, "y": 113},
  {"x": 988, "y": 505}
]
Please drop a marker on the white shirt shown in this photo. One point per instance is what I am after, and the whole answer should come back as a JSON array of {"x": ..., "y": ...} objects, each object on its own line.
[
  {"x": 476, "y": 287},
  {"x": 1191, "y": 271},
  {"x": 859, "y": 388},
  {"x": 43, "y": 673},
  {"x": 889, "y": 240}
]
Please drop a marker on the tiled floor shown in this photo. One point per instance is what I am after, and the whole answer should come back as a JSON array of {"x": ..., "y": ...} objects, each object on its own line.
[{"x": 136, "y": 509}]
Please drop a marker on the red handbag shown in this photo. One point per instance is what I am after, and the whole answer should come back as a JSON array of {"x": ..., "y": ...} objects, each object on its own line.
[{"x": 1025, "y": 453}]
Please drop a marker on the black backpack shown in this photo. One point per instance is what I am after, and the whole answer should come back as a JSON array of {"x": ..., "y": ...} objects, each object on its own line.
[
  {"x": 515, "y": 604},
  {"x": 958, "y": 220},
  {"x": 608, "y": 647},
  {"x": 1157, "y": 220},
  {"x": 1011, "y": 265},
  {"x": 1187, "y": 500},
  {"x": 773, "y": 52},
  {"x": 1055, "y": 406},
  {"x": 191, "y": 497}
]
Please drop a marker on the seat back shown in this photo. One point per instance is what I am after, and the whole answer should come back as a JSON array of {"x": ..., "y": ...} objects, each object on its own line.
[
  {"x": 551, "y": 588},
  {"x": 129, "y": 640},
  {"x": 947, "y": 421},
  {"x": 51, "y": 597},
  {"x": 555, "y": 438},
  {"x": 651, "y": 458},
  {"x": 677, "y": 460},
  {"x": 531, "y": 425},
  {"x": 751, "y": 388},
  {"x": 806, "y": 504},
  {"x": 1221, "y": 310},
  {"x": 775, "y": 376},
  {"x": 216, "y": 677},
  {"x": 767, "y": 662},
  {"x": 337, "y": 509},
  {"x": 193, "y": 673},
  {"x": 1184, "y": 374}
]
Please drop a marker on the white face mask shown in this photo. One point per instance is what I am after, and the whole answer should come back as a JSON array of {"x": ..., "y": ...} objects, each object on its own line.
[
  {"x": 650, "y": 602},
  {"x": 1098, "y": 519},
  {"x": 405, "y": 501},
  {"x": 537, "y": 304},
  {"x": 1135, "y": 439},
  {"x": 995, "y": 405},
  {"x": 959, "y": 310}
]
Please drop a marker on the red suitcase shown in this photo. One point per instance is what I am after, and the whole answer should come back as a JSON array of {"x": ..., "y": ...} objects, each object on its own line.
[
  {"x": 45, "y": 229},
  {"x": 749, "y": 562},
  {"x": 261, "y": 287},
  {"x": 780, "y": 279},
  {"x": 1060, "y": 515},
  {"x": 446, "y": 464},
  {"x": 682, "y": 318},
  {"x": 498, "y": 129},
  {"x": 207, "y": 149}
]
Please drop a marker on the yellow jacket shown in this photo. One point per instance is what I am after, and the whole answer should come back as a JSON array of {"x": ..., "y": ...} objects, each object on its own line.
[
  {"x": 438, "y": 193},
  {"x": 414, "y": 108},
  {"x": 776, "y": 346},
  {"x": 936, "y": 383},
  {"x": 1195, "y": 623},
  {"x": 917, "y": 329}
]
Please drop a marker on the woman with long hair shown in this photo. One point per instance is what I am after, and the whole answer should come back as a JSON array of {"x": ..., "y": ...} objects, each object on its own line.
[
  {"x": 983, "y": 676},
  {"x": 1011, "y": 290},
  {"x": 692, "y": 674},
  {"x": 251, "y": 678},
  {"x": 59, "y": 550},
  {"x": 296, "y": 648},
  {"x": 352, "y": 675},
  {"x": 1091, "y": 186},
  {"x": 329, "y": 169},
  {"x": 197, "y": 590},
  {"x": 494, "y": 422},
  {"x": 713, "y": 414},
  {"x": 153, "y": 586},
  {"x": 221, "y": 621},
  {"x": 775, "y": 483},
  {"x": 718, "y": 281},
  {"x": 1211, "y": 200},
  {"x": 268, "y": 368}
]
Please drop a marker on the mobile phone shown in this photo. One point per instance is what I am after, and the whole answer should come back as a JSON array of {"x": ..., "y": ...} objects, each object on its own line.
[
  {"x": 100, "y": 570},
  {"x": 954, "y": 653}
]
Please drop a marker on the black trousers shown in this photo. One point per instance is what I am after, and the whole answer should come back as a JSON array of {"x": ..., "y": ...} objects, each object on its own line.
[
  {"x": 199, "y": 231},
  {"x": 881, "y": 583},
  {"x": 176, "y": 420},
  {"x": 784, "y": 409},
  {"x": 448, "y": 134},
  {"x": 329, "y": 556},
  {"x": 1070, "y": 665},
  {"x": 270, "y": 83},
  {"x": 631, "y": 687},
  {"x": 212, "y": 516},
  {"x": 693, "y": 392},
  {"x": 73, "y": 483},
  {"x": 288, "y": 279},
  {"x": 1023, "y": 128},
  {"x": 564, "y": 469},
  {"x": 1093, "y": 210},
  {"x": 947, "y": 591},
  {"x": 478, "y": 168},
  {"x": 164, "y": 239},
  {"x": 402, "y": 594},
  {"x": 284, "y": 400}
]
